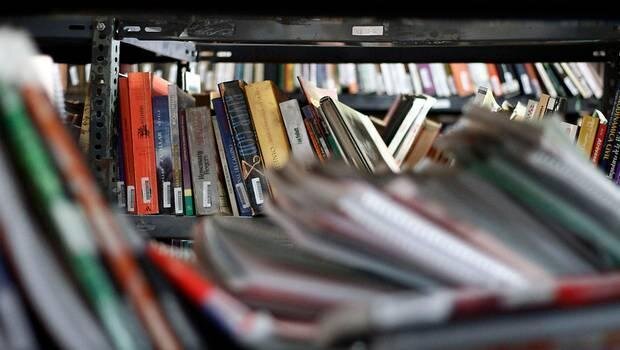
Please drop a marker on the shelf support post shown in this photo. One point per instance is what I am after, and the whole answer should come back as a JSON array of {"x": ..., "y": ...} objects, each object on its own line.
[{"x": 103, "y": 93}]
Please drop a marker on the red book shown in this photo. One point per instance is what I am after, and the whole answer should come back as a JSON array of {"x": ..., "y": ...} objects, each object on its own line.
[
  {"x": 531, "y": 73},
  {"x": 125, "y": 115},
  {"x": 496, "y": 83},
  {"x": 143, "y": 143},
  {"x": 599, "y": 141}
]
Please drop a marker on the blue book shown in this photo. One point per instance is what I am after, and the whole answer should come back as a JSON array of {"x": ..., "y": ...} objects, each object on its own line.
[
  {"x": 241, "y": 195},
  {"x": 163, "y": 153}
]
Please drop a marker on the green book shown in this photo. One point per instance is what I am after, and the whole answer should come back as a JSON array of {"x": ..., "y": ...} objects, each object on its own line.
[{"x": 66, "y": 218}]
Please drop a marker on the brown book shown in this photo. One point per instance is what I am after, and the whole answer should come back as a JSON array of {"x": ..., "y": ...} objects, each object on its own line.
[{"x": 422, "y": 143}]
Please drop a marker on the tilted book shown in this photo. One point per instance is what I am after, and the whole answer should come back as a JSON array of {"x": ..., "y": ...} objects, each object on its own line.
[
  {"x": 125, "y": 119},
  {"x": 233, "y": 94},
  {"x": 296, "y": 131},
  {"x": 188, "y": 196},
  {"x": 232, "y": 159}
]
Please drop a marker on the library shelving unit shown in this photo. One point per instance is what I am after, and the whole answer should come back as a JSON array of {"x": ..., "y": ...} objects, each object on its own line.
[{"x": 158, "y": 38}]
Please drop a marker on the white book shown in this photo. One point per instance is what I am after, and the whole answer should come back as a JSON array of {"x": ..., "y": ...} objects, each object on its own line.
[
  {"x": 530, "y": 109},
  {"x": 259, "y": 72},
  {"x": 415, "y": 78},
  {"x": 342, "y": 75},
  {"x": 297, "y": 72},
  {"x": 380, "y": 82},
  {"x": 545, "y": 79},
  {"x": 406, "y": 123},
  {"x": 405, "y": 81},
  {"x": 568, "y": 82},
  {"x": 452, "y": 85},
  {"x": 332, "y": 76},
  {"x": 387, "y": 79},
  {"x": 296, "y": 131},
  {"x": 440, "y": 79},
  {"x": 230, "y": 71},
  {"x": 248, "y": 72},
  {"x": 412, "y": 132},
  {"x": 591, "y": 81},
  {"x": 573, "y": 71},
  {"x": 313, "y": 74},
  {"x": 398, "y": 88},
  {"x": 367, "y": 78},
  {"x": 479, "y": 74}
]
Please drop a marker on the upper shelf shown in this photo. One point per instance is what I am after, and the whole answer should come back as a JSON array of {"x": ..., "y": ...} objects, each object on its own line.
[{"x": 346, "y": 39}]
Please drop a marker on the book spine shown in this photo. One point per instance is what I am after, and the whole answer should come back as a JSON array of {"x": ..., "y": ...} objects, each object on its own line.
[
  {"x": 175, "y": 140},
  {"x": 587, "y": 134},
  {"x": 544, "y": 76},
  {"x": 565, "y": 78},
  {"x": 427, "y": 79},
  {"x": 130, "y": 182},
  {"x": 222, "y": 160},
  {"x": 531, "y": 73},
  {"x": 598, "y": 143},
  {"x": 163, "y": 153},
  {"x": 318, "y": 150},
  {"x": 147, "y": 200},
  {"x": 232, "y": 161},
  {"x": 580, "y": 82},
  {"x": 188, "y": 196},
  {"x": 67, "y": 220},
  {"x": 555, "y": 80},
  {"x": 496, "y": 84},
  {"x": 268, "y": 124},
  {"x": 200, "y": 140},
  {"x": 610, "y": 137},
  {"x": 245, "y": 139},
  {"x": 296, "y": 131},
  {"x": 526, "y": 84}
]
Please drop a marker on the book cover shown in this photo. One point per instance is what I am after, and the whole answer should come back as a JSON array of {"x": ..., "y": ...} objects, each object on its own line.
[
  {"x": 206, "y": 184},
  {"x": 237, "y": 110},
  {"x": 232, "y": 161},
  {"x": 223, "y": 172},
  {"x": 600, "y": 138},
  {"x": 313, "y": 134},
  {"x": 610, "y": 137},
  {"x": 188, "y": 196},
  {"x": 296, "y": 130},
  {"x": 587, "y": 134},
  {"x": 143, "y": 143},
  {"x": 163, "y": 153},
  {"x": 268, "y": 125}
]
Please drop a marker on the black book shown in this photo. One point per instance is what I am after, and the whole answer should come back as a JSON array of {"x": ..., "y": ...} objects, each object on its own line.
[
  {"x": 400, "y": 114},
  {"x": 252, "y": 166},
  {"x": 555, "y": 80}
]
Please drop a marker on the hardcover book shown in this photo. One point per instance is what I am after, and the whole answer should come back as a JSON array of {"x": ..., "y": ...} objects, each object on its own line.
[
  {"x": 296, "y": 131},
  {"x": 238, "y": 113},
  {"x": 163, "y": 153}
]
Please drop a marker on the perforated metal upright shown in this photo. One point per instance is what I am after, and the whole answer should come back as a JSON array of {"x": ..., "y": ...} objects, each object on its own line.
[
  {"x": 103, "y": 94},
  {"x": 611, "y": 80}
]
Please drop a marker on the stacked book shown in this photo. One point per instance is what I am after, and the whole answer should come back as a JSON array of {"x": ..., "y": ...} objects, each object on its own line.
[
  {"x": 557, "y": 79},
  {"x": 199, "y": 154}
]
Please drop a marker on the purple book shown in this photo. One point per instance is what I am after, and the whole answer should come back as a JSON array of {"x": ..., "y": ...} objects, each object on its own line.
[{"x": 427, "y": 79}]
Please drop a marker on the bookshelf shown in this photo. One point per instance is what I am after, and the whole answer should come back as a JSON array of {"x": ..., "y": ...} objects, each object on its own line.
[{"x": 158, "y": 38}]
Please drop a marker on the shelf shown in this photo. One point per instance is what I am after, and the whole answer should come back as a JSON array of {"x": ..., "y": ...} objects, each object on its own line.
[{"x": 164, "y": 226}]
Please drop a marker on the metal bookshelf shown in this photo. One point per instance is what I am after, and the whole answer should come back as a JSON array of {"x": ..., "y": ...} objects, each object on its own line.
[{"x": 158, "y": 38}]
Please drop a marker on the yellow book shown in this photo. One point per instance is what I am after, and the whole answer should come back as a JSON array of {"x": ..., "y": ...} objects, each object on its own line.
[
  {"x": 268, "y": 124},
  {"x": 289, "y": 77},
  {"x": 587, "y": 134}
]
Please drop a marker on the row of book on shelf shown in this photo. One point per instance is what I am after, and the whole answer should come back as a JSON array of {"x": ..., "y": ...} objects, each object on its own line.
[
  {"x": 204, "y": 154},
  {"x": 512, "y": 243},
  {"x": 566, "y": 79}
]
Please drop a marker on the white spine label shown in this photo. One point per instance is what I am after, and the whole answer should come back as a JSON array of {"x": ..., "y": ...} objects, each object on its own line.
[
  {"x": 367, "y": 30},
  {"x": 166, "y": 194},
  {"x": 146, "y": 190},
  {"x": 178, "y": 200},
  {"x": 258, "y": 190},
  {"x": 131, "y": 198},
  {"x": 206, "y": 194},
  {"x": 120, "y": 191},
  {"x": 243, "y": 194}
]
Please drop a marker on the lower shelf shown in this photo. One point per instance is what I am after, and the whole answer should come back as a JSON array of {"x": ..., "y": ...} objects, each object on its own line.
[{"x": 164, "y": 226}]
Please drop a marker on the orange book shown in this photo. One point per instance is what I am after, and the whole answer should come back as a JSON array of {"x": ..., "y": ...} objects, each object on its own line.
[
  {"x": 531, "y": 73},
  {"x": 125, "y": 116},
  {"x": 462, "y": 80},
  {"x": 496, "y": 83},
  {"x": 143, "y": 143},
  {"x": 289, "y": 77}
]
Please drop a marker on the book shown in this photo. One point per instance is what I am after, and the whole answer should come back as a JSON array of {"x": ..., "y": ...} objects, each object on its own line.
[
  {"x": 606, "y": 163},
  {"x": 428, "y": 86},
  {"x": 591, "y": 79},
  {"x": 188, "y": 195},
  {"x": 494, "y": 79},
  {"x": 143, "y": 143},
  {"x": 544, "y": 76},
  {"x": 245, "y": 139},
  {"x": 232, "y": 198},
  {"x": 163, "y": 153},
  {"x": 578, "y": 79},
  {"x": 301, "y": 147},
  {"x": 531, "y": 74},
  {"x": 175, "y": 142},
  {"x": 423, "y": 143},
  {"x": 599, "y": 140},
  {"x": 587, "y": 134},
  {"x": 313, "y": 134},
  {"x": 125, "y": 117},
  {"x": 462, "y": 80},
  {"x": 268, "y": 125},
  {"x": 524, "y": 78},
  {"x": 232, "y": 161},
  {"x": 555, "y": 79},
  {"x": 209, "y": 192},
  {"x": 563, "y": 76},
  {"x": 361, "y": 141},
  {"x": 416, "y": 82}
]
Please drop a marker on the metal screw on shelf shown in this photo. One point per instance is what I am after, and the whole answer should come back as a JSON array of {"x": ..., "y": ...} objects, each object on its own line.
[{"x": 101, "y": 26}]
